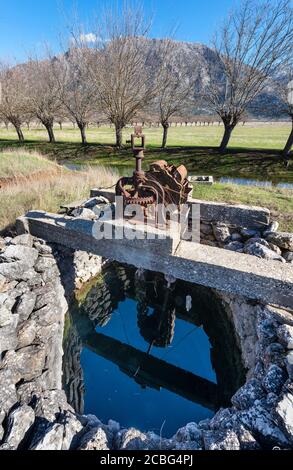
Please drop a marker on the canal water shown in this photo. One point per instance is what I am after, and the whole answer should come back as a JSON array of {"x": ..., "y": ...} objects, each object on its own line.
[
  {"x": 147, "y": 353},
  {"x": 256, "y": 182},
  {"x": 282, "y": 184}
]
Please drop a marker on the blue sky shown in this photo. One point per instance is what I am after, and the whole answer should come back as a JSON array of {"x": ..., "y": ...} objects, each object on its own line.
[{"x": 26, "y": 24}]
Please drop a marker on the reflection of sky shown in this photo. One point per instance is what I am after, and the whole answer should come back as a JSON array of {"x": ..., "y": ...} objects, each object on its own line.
[
  {"x": 112, "y": 394},
  {"x": 251, "y": 182}
]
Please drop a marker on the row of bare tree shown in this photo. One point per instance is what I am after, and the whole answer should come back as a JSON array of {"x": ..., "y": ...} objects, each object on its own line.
[{"x": 121, "y": 72}]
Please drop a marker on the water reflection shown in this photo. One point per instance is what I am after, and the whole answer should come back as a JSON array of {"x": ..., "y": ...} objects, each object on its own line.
[
  {"x": 128, "y": 170},
  {"x": 134, "y": 335},
  {"x": 254, "y": 182}
]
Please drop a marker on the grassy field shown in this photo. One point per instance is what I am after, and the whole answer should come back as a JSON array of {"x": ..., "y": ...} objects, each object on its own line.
[
  {"x": 254, "y": 150},
  {"x": 28, "y": 180},
  {"x": 248, "y": 136},
  {"x": 46, "y": 191}
]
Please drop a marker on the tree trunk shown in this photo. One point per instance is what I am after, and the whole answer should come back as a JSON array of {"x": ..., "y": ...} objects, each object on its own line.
[
  {"x": 51, "y": 134},
  {"x": 82, "y": 126},
  {"x": 19, "y": 133},
  {"x": 226, "y": 137},
  {"x": 165, "y": 135},
  {"x": 49, "y": 127},
  {"x": 118, "y": 129},
  {"x": 289, "y": 144}
]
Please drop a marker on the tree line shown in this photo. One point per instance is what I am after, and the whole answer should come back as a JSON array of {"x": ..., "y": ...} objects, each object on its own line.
[{"x": 118, "y": 72}]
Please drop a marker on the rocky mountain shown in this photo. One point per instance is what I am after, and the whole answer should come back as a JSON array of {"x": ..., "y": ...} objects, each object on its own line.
[{"x": 202, "y": 61}]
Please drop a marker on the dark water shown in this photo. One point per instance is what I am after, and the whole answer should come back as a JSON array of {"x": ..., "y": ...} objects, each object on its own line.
[{"x": 134, "y": 352}]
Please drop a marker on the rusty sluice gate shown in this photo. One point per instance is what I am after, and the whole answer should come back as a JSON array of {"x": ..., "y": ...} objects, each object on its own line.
[{"x": 162, "y": 184}]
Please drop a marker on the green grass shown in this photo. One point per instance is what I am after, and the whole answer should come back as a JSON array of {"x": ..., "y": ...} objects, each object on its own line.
[
  {"x": 248, "y": 136},
  {"x": 279, "y": 201},
  {"x": 254, "y": 151}
]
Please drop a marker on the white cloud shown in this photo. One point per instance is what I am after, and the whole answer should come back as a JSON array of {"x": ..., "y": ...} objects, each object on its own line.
[{"x": 89, "y": 37}]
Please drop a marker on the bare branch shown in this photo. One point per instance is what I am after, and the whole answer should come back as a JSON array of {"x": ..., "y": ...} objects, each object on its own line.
[{"x": 251, "y": 46}]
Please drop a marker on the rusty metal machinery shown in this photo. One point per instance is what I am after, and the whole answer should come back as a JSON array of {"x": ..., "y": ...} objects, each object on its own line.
[{"x": 161, "y": 184}]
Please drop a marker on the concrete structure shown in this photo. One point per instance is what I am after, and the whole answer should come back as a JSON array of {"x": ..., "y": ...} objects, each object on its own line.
[
  {"x": 235, "y": 273},
  {"x": 35, "y": 413},
  {"x": 238, "y": 215},
  {"x": 209, "y": 180}
]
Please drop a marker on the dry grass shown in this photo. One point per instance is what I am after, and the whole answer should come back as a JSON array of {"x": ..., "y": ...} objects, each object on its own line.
[
  {"x": 48, "y": 193},
  {"x": 21, "y": 163}
]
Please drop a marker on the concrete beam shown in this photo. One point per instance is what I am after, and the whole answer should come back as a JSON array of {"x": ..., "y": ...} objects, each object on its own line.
[
  {"x": 150, "y": 371},
  {"x": 235, "y": 273},
  {"x": 236, "y": 215},
  {"x": 76, "y": 232}
]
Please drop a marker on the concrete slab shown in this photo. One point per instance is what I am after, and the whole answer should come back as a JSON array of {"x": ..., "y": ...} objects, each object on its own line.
[
  {"x": 236, "y": 273},
  {"x": 238, "y": 215},
  {"x": 209, "y": 180},
  {"x": 74, "y": 232}
]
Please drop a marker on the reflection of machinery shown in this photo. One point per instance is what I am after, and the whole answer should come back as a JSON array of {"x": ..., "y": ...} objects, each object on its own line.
[
  {"x": 156, "y": 312},
  {"x": 156, "y": 304},
  {"x": 161, "y": 184},
  {"x": 145, "y": 369}
]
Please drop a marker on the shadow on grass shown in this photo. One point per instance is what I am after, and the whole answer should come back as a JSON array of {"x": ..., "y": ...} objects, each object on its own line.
[{"x": 236, "y": 162}]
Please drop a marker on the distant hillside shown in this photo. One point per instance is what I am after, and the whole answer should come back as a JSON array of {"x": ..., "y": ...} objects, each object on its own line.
[{"x": 203, "y": 60}]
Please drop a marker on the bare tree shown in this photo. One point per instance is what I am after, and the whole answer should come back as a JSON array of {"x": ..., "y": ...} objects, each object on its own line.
[
  {"x": 76, "y": 91},
  {"x": 42, "y": 98},
  {"x": 284, "y": 92},
  {"x": 251, "y": 45},
  {"x": 289, "y": 110},
  {"x": 5, "y": 122},
  {"x": 175, "y": 91},
  {"x": 13, "y": 97},
  {"x": 125, "y": 66}
]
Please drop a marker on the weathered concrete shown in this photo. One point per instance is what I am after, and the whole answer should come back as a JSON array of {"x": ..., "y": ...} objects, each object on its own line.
[
  {"x": 77, "y": 231},
  {"x": 216, "y": 212},
  {"x": 239, "y": 215},
  {"x": 235, "y": 273},
  {"x": 201, "y": 180}
]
